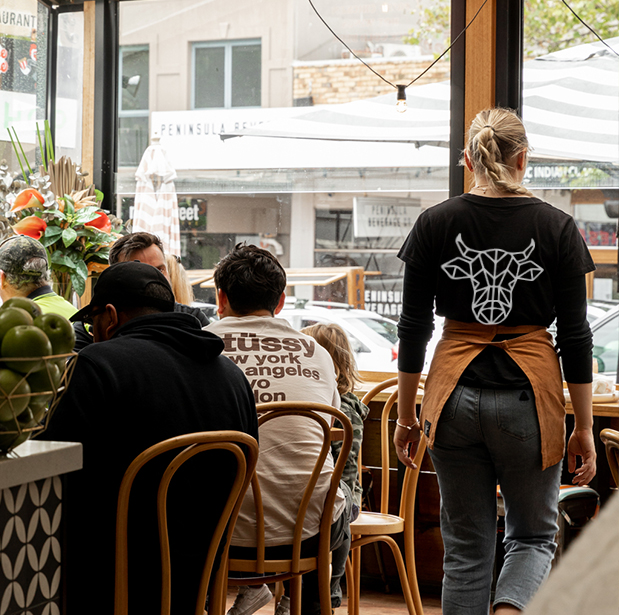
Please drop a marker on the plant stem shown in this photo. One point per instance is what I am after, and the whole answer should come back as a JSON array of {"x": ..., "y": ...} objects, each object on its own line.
[
  {"x": 41, "y": 148},
  {"x": 22, "y": 152},
  {"x": 17, "y": 155}
]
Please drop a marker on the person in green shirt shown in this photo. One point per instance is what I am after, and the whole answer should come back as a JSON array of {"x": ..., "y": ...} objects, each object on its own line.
[{"x": 24, "y": 272}]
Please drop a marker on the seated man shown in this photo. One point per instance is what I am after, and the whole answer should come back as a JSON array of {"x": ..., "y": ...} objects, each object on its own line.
[
  {"x": 146, "y": 248},
  {"x": 24, "y": 272},
  {"x": 281, "y": 364},
  {"x": 151, "y": 375}
]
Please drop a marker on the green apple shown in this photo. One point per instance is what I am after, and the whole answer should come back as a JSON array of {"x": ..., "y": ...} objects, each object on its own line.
[
  {"x": 39, "y": 415},
  {"x": 45, "y": 380},
  {"x": 11, "y": 317},
  {"x": 25, "y": 341},
  {"x": 11, "y": 384},
  {"x": 59, "y": 331},
  {"x": 26, "y": 304},
  {"x": 10, "y": 440}
]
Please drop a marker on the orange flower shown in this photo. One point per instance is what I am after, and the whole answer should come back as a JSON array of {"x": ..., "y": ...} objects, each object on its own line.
[
  {"x": 101, "y": 223},
  {"x": 32, "y": 226},
  {"x": 27, "y": 198},
  {"x": 94, "y": 267}
]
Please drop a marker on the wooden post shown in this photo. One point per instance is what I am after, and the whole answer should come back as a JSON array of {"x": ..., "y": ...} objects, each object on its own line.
[
  {"x": 88, "y": 89},
  {"x": 356, "y": 287},
  {"x": 480, "y": 66}
]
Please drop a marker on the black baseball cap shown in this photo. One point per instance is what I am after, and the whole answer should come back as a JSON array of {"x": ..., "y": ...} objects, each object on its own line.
[
  {"x": 17, "y": 250},
  {"x": 125, "y": 285}
]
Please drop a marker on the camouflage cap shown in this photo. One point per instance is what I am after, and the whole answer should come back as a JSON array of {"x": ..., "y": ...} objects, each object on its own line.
[{"x": 16, "y": 251}]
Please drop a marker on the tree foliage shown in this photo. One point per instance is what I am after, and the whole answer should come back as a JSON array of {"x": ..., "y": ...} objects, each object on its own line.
[{"x": 548, "y": 25}]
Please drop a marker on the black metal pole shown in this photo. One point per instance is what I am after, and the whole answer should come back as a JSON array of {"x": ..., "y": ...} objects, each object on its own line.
[
  {"x": 106, "y": 87},
  {"x": 509, "y": 45},
  {"x": 52, "y": 71},
  {"x": 457, "y": 128}
]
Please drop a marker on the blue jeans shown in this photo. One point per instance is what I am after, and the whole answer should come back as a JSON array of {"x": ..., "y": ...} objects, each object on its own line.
[{"x": 485, "y": 437}]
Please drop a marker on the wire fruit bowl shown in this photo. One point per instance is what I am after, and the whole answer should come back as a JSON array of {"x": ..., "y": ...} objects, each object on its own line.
[{"x": 25, "y": 413}]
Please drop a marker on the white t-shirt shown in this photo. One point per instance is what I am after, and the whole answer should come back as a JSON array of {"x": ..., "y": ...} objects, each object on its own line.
[{"x": 282, "y": 364}]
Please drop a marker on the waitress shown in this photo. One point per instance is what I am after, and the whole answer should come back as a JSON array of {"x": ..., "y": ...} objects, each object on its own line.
[{"x": 500, "y": 265}]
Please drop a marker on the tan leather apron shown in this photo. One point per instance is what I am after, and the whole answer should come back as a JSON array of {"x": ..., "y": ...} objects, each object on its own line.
[{"x": 533, "y": 351}]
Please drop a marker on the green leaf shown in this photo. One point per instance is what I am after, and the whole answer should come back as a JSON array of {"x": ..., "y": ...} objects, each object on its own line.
[
  {"x": 69, "y": 208},
  {"x": 53, "y": 232},
  {"x": 87, "y": 214},
  {"x": 98, "y": 195},
  {"x": 79, "y": 282},
  {"x": 82, "y": 269},
  {"x": 48, "y": 241},
  {"x": 56, "y": 213},
  {"x": 60, "y": 258},
  {"x": 69, "y": 235}
]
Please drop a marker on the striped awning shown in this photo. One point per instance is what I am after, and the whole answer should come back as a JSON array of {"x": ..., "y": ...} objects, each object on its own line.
[
  {"x": 571, "y": 111},
  {"x": 571, "y": 103}
]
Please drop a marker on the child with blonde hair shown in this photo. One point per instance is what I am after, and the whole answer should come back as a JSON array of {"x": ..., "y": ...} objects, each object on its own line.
[{"x": 333, "y": 338}]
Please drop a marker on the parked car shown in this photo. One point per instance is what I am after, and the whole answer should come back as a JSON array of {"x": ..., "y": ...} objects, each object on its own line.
[
  {"x": 373, "y": 338},
  {"x": 606, "y": 343},
  {"x": 208, "y": 309}
]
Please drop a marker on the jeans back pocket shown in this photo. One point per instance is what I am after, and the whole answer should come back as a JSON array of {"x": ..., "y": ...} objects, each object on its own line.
[{"x": 516, "y": 413}]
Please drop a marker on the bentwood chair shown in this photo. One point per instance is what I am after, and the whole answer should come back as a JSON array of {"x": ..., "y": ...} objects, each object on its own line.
[
  {"x": 260, "y": 569},
  {"x": 242, "y": 449},
  {"x": 610, "y": 437},
  {"x": 372, "y": 527}
]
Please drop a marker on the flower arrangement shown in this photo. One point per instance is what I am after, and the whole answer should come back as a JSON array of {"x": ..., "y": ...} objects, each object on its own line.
[{"x": 56, "y": 207}]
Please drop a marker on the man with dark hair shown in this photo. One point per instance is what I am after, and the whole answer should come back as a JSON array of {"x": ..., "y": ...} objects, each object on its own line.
[
  {"x": 24, "y": 272},
  {"x": 152, "y": 374},
  {"x": 251, "y": 279},
  {"x": 147, "y": 248},
  {"x": 281, "y": 364}
]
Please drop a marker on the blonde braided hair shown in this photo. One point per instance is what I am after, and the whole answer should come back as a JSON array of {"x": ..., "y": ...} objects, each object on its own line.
[{"x": 496, "y": 136}]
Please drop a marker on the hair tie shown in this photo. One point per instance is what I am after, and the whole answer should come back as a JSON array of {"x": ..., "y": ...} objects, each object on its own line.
[{"x": 488, "y": 126}]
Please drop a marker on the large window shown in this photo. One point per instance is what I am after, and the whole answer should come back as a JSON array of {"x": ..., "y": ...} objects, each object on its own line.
[
  {"x": 227, "y": 74},
  {"x": 571, "y": 111},
  {"x": 133, "y": 104}
]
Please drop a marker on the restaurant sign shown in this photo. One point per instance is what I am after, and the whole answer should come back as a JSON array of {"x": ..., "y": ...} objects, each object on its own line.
[{"x": 378, "y": 217}]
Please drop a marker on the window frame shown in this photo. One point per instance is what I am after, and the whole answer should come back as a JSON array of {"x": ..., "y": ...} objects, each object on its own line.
[{"x": 227, "y": 45}]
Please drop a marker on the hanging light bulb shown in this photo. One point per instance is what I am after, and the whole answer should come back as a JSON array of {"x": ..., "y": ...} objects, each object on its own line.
[{"x": 400, "y": 105}]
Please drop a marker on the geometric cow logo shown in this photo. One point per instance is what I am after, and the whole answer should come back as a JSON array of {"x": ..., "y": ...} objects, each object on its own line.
[{"x": 493, "y": 274}]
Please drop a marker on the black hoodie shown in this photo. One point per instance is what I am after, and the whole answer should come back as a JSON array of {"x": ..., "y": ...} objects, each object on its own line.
[{"x": 159, "y": 376}]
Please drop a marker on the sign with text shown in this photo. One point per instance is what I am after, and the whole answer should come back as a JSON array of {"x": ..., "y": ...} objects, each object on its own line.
[{"x": 383, "y": 217}]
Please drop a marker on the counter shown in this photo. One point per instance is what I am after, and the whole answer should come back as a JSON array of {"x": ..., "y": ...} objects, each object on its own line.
[{"x": 30, "y": 522}]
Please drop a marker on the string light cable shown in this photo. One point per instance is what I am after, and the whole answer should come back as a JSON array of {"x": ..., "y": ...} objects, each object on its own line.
[
  {"x": 401, "y": 88},
  {"x": 584, "y": 23}
]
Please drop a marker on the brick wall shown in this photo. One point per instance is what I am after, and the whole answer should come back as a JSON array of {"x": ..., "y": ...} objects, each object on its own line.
[{"x": 341, "y": 81}]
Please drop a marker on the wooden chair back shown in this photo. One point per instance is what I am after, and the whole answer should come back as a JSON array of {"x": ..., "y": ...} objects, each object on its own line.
[
  {"x": 293, "y": 568},
  {"x": 407, "y": 501},
  {"x": 610, "y": 437},
  {"x": 243, "y": 449},
  {"x": 276, "y": 410}
]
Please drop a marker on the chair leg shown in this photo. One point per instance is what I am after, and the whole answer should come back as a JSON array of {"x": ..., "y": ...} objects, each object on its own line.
[
  {"x": 399, "y": 561},
  {"x": 279, "y": 592},
  {"x": 351, "y": 589},
  {"x": 355, "y": 556},
  {"x": 218, "y": 591},
  {"x": 324, "y": 587},
  {"x": 412, "y": 577},
  {"x": 295, "y": 595}
]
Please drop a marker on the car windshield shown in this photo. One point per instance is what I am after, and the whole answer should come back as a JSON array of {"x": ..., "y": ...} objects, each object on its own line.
[
  {"x": 387, "y": 329},
  {"x": 606, "y": 345}
]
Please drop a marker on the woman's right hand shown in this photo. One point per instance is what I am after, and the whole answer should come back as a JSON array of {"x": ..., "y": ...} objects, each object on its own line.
[{"x": 406, "y": 443}]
